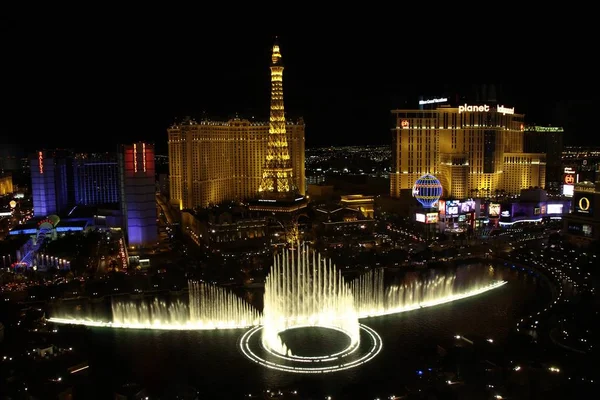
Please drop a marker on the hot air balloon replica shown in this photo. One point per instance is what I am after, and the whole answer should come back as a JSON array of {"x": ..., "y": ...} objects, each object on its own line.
[{"x": 427, "y": 190}]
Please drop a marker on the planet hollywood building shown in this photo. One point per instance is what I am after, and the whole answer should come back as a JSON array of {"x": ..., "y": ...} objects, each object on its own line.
[{"x": 475, "y": 150}]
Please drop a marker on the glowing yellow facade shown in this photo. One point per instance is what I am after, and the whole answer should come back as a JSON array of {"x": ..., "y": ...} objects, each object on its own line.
[
  {"x": 211, "y": 162},
  {"x": 278, "y": 173},
  {"x": 473, "y": 150},
  {"x": 6, "y": 185}
]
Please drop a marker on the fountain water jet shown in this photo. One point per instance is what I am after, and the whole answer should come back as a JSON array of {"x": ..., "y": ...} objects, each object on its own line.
[
  {"x": 209, "y": 307},
  {"x": 374, "y": 299},
  {"x": 214, "y": 306},
  {"x": 303, "y": 289}
]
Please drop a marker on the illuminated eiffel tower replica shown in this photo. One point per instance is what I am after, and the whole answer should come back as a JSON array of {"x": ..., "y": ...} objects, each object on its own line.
[{"x": 278, "y": 195}]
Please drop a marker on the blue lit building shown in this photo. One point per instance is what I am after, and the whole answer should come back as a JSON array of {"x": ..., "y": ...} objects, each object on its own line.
[
  {"x": 49, "y": 183},
  {"x": 137, "y": 181},
  {"x": 96, "y": 179}
]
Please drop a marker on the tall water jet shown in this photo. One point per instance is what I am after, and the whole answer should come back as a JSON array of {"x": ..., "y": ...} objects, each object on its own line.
[
  {"x": 304, "y": 289},
  {"x": 215, "y": 307}
]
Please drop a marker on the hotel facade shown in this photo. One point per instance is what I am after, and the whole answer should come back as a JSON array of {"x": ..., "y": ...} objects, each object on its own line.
[
  {"x": 137, "y": 185},
  {"x": 211, "y": 161},
  {"x": 475, "y": 150}
]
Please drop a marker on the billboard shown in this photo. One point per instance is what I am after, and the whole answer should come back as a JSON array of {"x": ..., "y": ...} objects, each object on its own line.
[
  {"x": 553, "y": 209},
  {"x": 431, "y": 218},
  {"x": 420, "y": 217},
  {"x": 568, "y": 190},
  {"x": 511, "y": 212},
  {"x": 467, "y": 206},
  {"x": 583, "y": 203},
  {"x": 452, "y": 207},
  {"x": 442, "y": 207},
  {"x": 568, "y": 181},
  {"x": 494, "y": 210}
]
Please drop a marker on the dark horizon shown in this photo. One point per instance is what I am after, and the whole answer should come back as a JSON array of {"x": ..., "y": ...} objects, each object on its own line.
[{"x": 133, "y": 88}]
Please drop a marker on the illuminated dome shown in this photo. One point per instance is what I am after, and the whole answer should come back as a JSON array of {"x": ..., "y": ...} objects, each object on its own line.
[{"x": 427, "y": 190}]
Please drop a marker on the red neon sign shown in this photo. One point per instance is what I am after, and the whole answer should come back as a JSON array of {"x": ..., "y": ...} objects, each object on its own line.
[{"x": 41, "y": 161}]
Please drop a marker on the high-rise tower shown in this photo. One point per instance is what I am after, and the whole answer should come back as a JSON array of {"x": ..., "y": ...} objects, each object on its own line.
[
  {"x": 278, "y": 195},
  {"x": 277, "y": 178},
  {"x": 138, "y": 194}
]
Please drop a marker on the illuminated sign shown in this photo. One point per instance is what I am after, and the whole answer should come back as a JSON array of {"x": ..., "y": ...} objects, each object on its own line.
[
  {"x": 505, "y": 214},
  {"x": 41, "y": 162},
  {"x": 122, "y": 253},
  {"x": 494, "y": 210},
  {"x": 580, "y": 229},
  {"x": 568, "y": 190},
  {"x": 404, "y": 123},
  {"x": 420, "y": 217},
  {"x": 442, "y": 207},
  {"x": 569, "y": 170},
  {"x": 134, "y": 157},
  {"x": 545, "y": 129},
  {"x": 569, "y": 179},
  {"x": 554, "y": 209},
  {"x": 46, "y": 221},
  {"x": 584, "y": 204},
  {"x": 144, "y": 155},
  {"x": 585, "y": 188},
  {"x": 431, "y": 218},
  {"x": 452, "y": 207},
  {"x": 505, "y": 110},
  {"x": 484, "y": 108},
  {"x": 467, "y": 206},
  {"x": 433, "y": 101}
]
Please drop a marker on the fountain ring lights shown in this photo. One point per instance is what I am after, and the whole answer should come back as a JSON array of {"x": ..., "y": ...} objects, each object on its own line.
[
  {"x": 250, "y": 344},
  {"x": 351, "y": 348}
]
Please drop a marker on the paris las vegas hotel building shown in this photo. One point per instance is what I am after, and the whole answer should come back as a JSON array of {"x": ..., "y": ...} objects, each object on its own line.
[
  {"x": 473, "y": 149},
  {"x": 215, "y": 161}
]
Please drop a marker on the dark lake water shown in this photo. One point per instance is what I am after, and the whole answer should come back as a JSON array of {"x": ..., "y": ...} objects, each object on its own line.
[{"x": 211, "y": 362}]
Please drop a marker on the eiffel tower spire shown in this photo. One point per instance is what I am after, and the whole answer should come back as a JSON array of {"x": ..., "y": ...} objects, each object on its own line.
[{"x": 277, "y": 178}]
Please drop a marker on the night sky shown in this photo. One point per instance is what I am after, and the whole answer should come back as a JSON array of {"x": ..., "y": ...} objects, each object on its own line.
[{"x": 89, "y": 85}]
